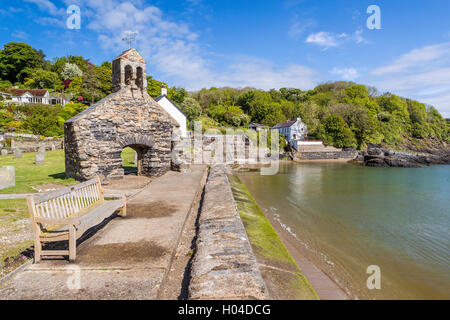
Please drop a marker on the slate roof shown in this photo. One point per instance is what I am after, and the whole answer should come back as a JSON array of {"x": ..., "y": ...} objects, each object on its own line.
[
  {"x": 33, "y": 92},
  {"x": 285, "y": 124},
  {"x": 258, "y": 125}
]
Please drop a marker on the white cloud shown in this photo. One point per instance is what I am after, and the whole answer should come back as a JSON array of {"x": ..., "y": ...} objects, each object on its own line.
[
  {"x": 324, "y": 39},
  {"x": 19, "y": 34},
  {"x": 348, "y": 74},
  {"x": 47, "y": 6},
  {"x": 299, "y": 26},
  {"x": 358, "y": 36},
  {"x": 263, "y": 74},
  {"x": 422, "y": 74},
  {"x": 416, "y": 57},
  {"x": 48, "y": 21},
  {"x": 172, "y": 48},
  {"x": 328, "y": 39}
]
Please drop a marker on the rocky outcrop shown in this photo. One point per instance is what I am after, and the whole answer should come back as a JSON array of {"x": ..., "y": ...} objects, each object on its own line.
[
  {"x": 224, "y": 266},
  {"x": 376, "y": 156}
]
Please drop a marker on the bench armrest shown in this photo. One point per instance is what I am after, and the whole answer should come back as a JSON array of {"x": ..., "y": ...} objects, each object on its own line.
[
  {"x": 114, "y": 195},
  {"x": 74, "y": 221}
]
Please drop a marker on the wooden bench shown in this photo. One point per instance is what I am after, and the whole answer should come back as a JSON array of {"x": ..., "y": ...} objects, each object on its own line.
[{"x": 67, "y": 213}]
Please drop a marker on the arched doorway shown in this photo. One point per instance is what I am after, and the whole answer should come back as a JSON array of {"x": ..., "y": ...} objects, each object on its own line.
[
  {"x": 132, "y": 158},
  {"x": 134, "y": 154},
  {"x": 129, "y": 161}
]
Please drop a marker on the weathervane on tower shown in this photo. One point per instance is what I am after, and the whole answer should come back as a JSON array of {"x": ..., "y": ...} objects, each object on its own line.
[{"x": 130, "y": 37}]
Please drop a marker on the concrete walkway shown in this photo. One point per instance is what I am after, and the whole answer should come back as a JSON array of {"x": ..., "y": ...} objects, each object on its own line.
[
  {"x": 11, "y": 196},
  {"x": 128, "y": 258}
]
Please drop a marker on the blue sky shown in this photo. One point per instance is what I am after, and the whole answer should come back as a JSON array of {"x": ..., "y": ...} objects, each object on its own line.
[{"x": 263, "y": 44}]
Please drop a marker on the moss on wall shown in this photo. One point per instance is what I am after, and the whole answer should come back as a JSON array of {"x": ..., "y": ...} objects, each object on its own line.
[{"x": 281, "y": 273}]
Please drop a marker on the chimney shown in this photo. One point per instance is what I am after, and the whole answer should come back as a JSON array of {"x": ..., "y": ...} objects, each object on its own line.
[{"x": 164, "y": 91}]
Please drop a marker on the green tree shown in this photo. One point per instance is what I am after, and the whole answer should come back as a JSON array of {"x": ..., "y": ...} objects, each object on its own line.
[
  {"x": 356, "y": 118},
  {"x": 154, "y": 87},
  {"x": 417, "y": 111},
  {"x": 274, "y": 115},
  {"x": 191, "y": 108},
  {"x": 334, "y": 131},
  {"x": 4, "y": 84},
  {"x": 235, "y": 116},
  {"x": 17, "y": 60},
  {"x": 43, "y": 120},
  {"x": 43, "y": 79},
  {"x": 177, "y": 94},
  {"x": 90, "y": 86},
  {"x": 104, "y": 78}
]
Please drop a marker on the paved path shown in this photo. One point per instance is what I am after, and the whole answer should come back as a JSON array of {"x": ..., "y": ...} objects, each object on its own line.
[
  {"x": 11, "y": 196},
  {"x": 128, "y": 258}
]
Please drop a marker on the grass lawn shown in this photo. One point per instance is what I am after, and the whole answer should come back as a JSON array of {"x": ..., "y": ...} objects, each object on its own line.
[
  {"x": 29, "y": 175},
  {"x": 128, "y": 159},
  {"x": 15, "y": 228}
]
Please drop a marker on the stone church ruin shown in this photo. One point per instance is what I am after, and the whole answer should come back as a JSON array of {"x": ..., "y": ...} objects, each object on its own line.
[{"x": 129, "y": 117}]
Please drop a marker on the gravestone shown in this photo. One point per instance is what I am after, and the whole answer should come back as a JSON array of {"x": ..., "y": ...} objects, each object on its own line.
[
  {"x": 40, "y": 156},
  {"x": 7, "y": 177},
  {"x": 53, "y": 147},
  {"x": 17, "y": 153},
  {"x": 4, "y": 152}
]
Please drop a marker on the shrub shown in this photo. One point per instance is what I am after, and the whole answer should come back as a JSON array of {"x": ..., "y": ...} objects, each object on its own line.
[{"x": 334, "y": 131}]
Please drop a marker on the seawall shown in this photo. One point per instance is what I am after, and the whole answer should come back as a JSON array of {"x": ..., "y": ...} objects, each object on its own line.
[{"x": 224, "y": 266}]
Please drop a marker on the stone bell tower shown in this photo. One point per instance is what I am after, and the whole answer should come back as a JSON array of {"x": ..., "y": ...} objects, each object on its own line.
[{"x": 129, "y": 69}]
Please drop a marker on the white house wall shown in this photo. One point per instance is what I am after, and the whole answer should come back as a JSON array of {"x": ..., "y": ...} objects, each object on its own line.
[
  {"x": 175, "y": 113},
  {"x": 299, "y": 130}
]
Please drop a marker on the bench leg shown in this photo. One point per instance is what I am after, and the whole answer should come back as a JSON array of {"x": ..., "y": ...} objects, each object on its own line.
[
  {"x": 72, "y": 243},
  {"x": 37, "y": 250},
  {"x": 123, "y": 212}
]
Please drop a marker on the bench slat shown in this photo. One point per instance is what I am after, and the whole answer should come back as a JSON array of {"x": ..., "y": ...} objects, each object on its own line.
[{"x": 64, "y": 190}]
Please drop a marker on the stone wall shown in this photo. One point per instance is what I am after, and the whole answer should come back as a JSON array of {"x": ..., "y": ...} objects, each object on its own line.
[
  {"x": 95, "y": 138},
  {"x": 129, "y": 117},
  {"x": 325, "y": 155},
  {"x": 224, "y": 266},
  {"x": 321, "y": 152},
  {"x": 28, "y": 142}
]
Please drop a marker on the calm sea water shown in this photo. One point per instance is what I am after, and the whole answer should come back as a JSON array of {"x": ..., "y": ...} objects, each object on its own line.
[{"x": 351, "y": 217}]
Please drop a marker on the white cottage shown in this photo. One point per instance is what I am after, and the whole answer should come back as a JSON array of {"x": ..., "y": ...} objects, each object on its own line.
[
  {"x": 173, "y": 110},
  {"x": 293, "y": 130},
  {"x": 36, "y": 96}
]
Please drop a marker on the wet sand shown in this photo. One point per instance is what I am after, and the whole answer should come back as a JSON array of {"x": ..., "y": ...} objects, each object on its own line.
[{"x": 325, "y": 287}]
